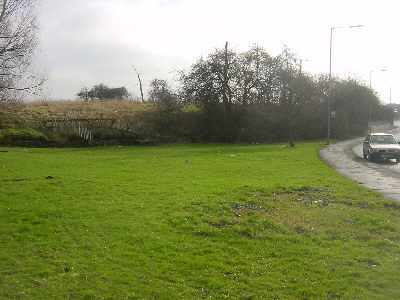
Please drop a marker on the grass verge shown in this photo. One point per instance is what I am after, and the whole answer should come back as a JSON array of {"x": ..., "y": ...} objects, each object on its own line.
[{"x": 191, "y": 221}]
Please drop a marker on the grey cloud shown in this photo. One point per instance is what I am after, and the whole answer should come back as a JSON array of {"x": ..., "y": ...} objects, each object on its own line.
[{"x": 86, "y": 63}]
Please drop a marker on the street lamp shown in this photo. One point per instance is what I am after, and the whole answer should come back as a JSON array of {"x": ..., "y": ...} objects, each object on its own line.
[
  {"x": 330, "y": 80},
  {"x": 370, "y": 102},
  {"x": 390, "y": 109}
]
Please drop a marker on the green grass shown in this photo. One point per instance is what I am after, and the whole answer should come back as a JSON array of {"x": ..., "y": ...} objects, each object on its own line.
[{"x": 191, "y": 221}]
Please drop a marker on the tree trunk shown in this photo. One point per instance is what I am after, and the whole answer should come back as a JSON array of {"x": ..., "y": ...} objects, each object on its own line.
[{"x": 140, "y": 83}]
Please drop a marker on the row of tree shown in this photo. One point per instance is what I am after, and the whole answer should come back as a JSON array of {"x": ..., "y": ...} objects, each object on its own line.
[
  {"x": 102, "y": 92},
  {"x": 255, "y": 97}
]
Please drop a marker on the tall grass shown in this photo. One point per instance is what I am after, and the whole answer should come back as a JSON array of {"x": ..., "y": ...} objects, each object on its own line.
[{"x": 71, "y": 109}]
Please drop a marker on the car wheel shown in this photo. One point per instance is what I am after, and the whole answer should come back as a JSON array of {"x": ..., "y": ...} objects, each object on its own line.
[
  {"x": 370, "y": 157},
  {"x": 364, "y": 154}
]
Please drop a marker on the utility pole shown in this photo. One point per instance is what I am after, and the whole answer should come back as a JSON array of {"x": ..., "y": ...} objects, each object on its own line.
[
  {"x": 330, "y": 89},
  {"x": 225, "y": 75},
  {"x": 225, "y": 99},
  {"x": 330, "y": 80},
  {"x": 370, "y": 102},
  {"x": 390, "y": 109}
]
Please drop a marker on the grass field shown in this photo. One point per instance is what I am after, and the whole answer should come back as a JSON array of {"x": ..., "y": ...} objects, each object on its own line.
[{"x": 191, "y": 221}]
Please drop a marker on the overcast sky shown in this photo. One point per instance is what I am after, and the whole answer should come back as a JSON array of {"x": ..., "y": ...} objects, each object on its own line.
[{"x": 86, "y": 42}]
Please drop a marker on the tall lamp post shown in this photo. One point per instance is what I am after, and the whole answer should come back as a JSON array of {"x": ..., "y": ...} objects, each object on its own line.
[
  {"x": 390, "y": 109},
  {"x": 370, "y": 102},
  {"x": 330, "y": 80}
]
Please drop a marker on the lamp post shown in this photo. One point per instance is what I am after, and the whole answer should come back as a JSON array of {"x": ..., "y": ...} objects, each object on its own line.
[
  {"x": 370, "y": 102},
  {"x": 390, "y": 109},
  {"x": 330, "y": 80}
]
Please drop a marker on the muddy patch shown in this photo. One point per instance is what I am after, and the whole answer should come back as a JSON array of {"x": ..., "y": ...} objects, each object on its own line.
[
  {"x": 247, "y": 206},
  {"x": 308, "y": 190},
  {"x": 320, "y": 197},
  {"x": 16, "y": 179},
  {"x": 220, "y": 225},
  {"x": 369, "y": 262},
  {"x": 313, "y": 197}
]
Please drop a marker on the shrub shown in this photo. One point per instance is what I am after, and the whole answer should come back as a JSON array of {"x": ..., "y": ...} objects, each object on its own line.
[{"x": 24, "y": 138}]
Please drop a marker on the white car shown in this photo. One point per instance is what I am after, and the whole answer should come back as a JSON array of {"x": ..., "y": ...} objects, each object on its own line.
[{"x": 381, "y": 146}]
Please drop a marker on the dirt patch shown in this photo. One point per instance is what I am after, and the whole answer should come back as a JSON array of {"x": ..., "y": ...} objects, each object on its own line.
[
  {"x": 220, "y": 225},
  {"x": 16, "y": 179},
  {"x": 308, "y": 190},
  {"x": 320, "y": 197},
  {"x": 247, "y": 206},
  {"x": 312, "y": 197},
  {"x": 394, "y": 205},
  {"x": 369, "y": 262}
]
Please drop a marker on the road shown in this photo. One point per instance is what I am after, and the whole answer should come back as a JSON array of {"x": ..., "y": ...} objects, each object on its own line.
[{"x": 346, "y": 158}]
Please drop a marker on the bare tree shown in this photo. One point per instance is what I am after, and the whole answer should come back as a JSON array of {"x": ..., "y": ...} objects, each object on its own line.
[
  {"x": 140, "y": 83},
  {"x": 18, "y": 41}
]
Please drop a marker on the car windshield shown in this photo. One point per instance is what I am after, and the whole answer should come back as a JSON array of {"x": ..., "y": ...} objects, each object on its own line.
[{"x": 383, "y": 139}]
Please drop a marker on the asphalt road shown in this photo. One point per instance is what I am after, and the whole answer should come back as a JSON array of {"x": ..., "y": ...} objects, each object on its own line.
[{"x": 346, "y": 158}]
